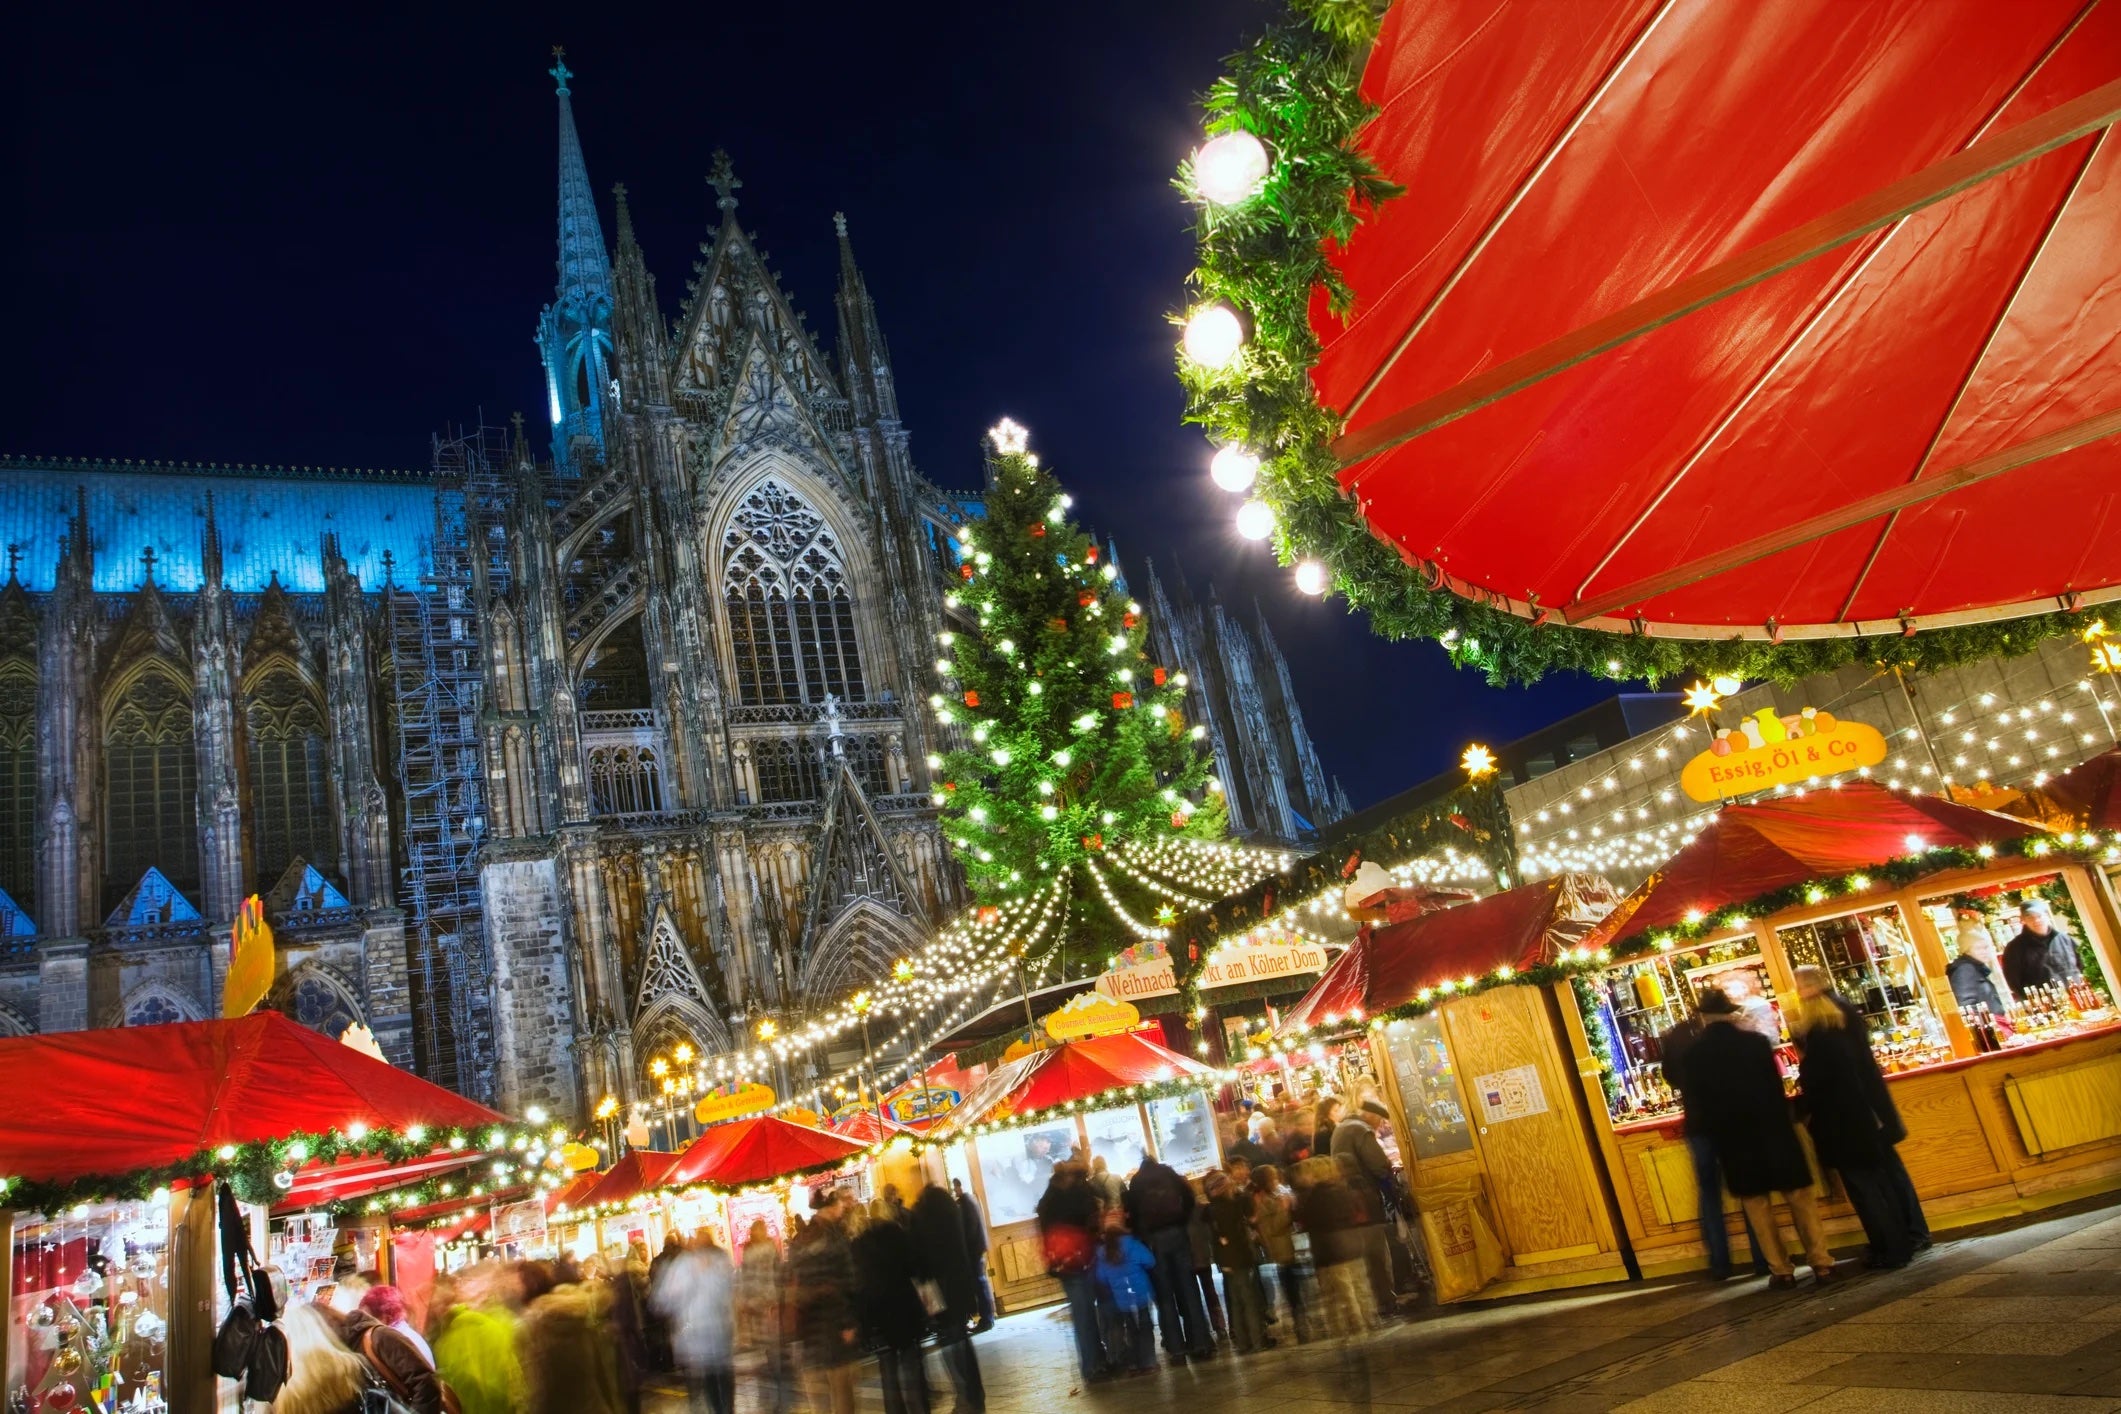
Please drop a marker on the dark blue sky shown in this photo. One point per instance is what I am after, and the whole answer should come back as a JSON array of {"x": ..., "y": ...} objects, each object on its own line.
[{"x": 291, "y": 235}]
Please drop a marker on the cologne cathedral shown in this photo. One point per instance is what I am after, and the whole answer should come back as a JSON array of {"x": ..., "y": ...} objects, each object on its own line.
[{"x": 543, "y": 759}]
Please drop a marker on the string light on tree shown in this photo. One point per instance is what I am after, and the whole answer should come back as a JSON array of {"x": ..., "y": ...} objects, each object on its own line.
[
  {"x": 1234, "y": 469},
  {"x": 1214, "y": 337},
  {"x": 1255, "y": 520},
  {"x": 1311, "y": 577},
  {"x": 1230, "y": 168}
]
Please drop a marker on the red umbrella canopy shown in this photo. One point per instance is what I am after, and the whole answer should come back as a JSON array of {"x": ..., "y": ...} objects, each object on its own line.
[
  {"x": 869, "y": 1127},
  {"x": 641, "y": 1171},
  {"x": 1069, "y": 1072},
  {"x": 1520, "y": 928},
  {"x": 1750, "y": 850},
  {"x": 758, "y": 1150},
  {"x": 142, "y": 1098},
  {"x": 1726, "y": 318}
]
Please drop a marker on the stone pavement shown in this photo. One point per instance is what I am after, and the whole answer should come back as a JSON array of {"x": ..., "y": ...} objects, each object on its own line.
[{"x": 2023, "y": 1319}]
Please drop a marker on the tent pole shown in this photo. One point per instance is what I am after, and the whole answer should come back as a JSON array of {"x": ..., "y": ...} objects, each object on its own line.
[
  {"x": 7, "y": 1287},
  {"x": 191, "y": 1387}
]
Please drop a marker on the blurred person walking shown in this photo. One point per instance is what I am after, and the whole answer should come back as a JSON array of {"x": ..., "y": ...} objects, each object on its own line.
[
  {"x": 570, "y": 1363},
  {"x": 1368, "y": 1170},
  {"x": 1332, "y": 1216},
  {"x": 475, "y": 1343},
  {"x": 1159, "y": 1208},
  {"x": 1737, "y": 1089},
  {"x": 1274, "y": 1219},
  {"x": 1237, "y": 1255},
  {"x": 323, "y": 1376},
  {"x": 939, "y": 1239},
  {"x": 821, "y": 1275},
  {"x": 760, "y": 1301},
  {"x": 395, "y": 1354},
  {"x": 888, "y": 1307},
  {"x": 694, "y": 1292},
  {"x": 1068, "y": 1219},
  {"x": 1701, "y": 1148},
  {"x": 1855, "y": 1127},
  {"x": 976, "y": 1247}
]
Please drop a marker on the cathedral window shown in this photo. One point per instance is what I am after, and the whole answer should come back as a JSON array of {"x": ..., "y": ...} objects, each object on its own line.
[
  {"x": 18, "y": 782},
  {"x": 625, "y": 780},
  {"x": 150, "y": 786},
  {"x": 787, "y": 770},
  {"x": 290, "y": 803},
  {"x": 866, "y": 754},
  {"x": 616, "y": 678},
  {"x": 791, "y": 615}
]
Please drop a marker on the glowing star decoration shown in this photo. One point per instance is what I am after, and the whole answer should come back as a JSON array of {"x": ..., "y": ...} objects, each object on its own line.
[
  {"x": 2105, "y": 648},
  {"x": 1255, "y": 520},
  {"x": 1702, "y": 698},
  {"x": 1214, "y": 337},
  {"x": 1010, "y": 437},
  {"x": 1478, "y": 761},
  {"x": 1311, "y": 577},
  {"x": 1234, "y": 469},
  {"x": 1230, "y": 168}
]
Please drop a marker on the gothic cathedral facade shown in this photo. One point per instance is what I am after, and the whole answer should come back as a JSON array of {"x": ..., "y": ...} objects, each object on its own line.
[{"x": 542, "y": 763}]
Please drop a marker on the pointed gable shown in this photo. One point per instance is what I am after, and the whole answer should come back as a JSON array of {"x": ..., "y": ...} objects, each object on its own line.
[
  {"x": 148, "y": 630},
  {"x": 18, "y": 621},
  {"x": 854, "y": 861},
  {"x": 273, "y": 631},
  {"x": 14, "y": 923},
  {"x": 736, "y": 306},
  {"x": 153, "y": 903},
  {"x": 668, "y": 969},
  {"x": 303, "y": 890}
]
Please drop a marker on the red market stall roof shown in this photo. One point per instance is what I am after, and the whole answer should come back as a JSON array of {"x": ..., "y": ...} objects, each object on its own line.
[
  {"x": 571, "y": 1193},
  {"x": 1704, "y": 318},
  {"x": 2085, "y": 797},
  {"x": 758, "y": 1150},
  {"x": 142, "y": 1099},
  {"x": 1522, "y": 928},
  {"x": 868, "y": 1127},
  {"x": 1747, "y": 851},
  {"x": 1069, "y": 1072},
  {"x": 641, "y": 1171}
]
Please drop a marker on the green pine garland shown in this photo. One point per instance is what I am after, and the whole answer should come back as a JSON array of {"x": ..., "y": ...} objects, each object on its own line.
[
  {"x": 252, "y": 1168},
  {"x": 1074, "y": 741},
  {"x": 1298, "y": 91}
]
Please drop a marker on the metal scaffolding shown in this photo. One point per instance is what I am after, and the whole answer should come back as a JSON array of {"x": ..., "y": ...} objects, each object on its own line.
[{"x": 438, "y": 677}]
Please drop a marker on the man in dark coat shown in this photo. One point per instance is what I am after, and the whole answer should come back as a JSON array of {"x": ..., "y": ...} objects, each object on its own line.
[
  {"x": 1735, "y": 1090},
  {"x": 1849, "y": 1110},
  {"x": 976, "y": 1246},
  {"x": 1068, "y": 1223},
  {"x": 1708, "y": 1173},
  {"x": 939, "y": 1240},
  {"x": 2042, "y": 955},
  {"x": 888, "y": 1307},
  {"x": 1159, "y": 1209}
]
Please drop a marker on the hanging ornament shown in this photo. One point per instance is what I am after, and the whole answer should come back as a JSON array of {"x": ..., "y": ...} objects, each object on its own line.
[
  {"x": 971, "y": 698},
  {"x": 1122, "y": 700},
  {"x": 1157, "y": 675},
  {"x": 1038, "y": 530},
  {"x": 1057, "y": 625},
  {"x": 964, "y": 571},
  {"x": 1090, "y": 555},
  {"x": 1178, "y": 819},
  {"x": 1129, "y": 620}
]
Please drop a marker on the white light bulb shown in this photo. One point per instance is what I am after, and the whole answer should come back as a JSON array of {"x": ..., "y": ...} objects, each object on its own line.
[
  {"x": 1311, "y": 577},
  {"x": 1230, "y": 168},
  {"x": 1234, "y": 468},
  {"x": 1214, "y": 336},
  {"x": 1255, "y": 520}
]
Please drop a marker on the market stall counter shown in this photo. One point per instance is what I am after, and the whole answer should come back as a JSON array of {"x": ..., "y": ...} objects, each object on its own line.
[{"x": 1916, "y": 907}]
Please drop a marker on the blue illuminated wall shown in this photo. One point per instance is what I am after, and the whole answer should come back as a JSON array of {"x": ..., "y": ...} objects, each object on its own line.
[{"x": 271, "y": 521}]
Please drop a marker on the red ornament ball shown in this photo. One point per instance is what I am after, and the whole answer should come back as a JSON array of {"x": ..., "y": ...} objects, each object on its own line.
[
  {"x": 1122, "y": 700},
  {"x": 971, "y": 699},
  {"x": 1157, "y": 676}
]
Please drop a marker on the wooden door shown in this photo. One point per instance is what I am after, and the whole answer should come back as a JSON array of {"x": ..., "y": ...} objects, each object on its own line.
[{"x": 1530, "y": 1137}]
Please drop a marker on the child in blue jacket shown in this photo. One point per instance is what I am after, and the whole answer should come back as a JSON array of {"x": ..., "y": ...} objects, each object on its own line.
[{"x": 1123, "y": 1268}]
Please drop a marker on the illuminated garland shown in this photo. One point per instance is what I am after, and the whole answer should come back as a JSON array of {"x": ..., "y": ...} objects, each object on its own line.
[
  {"x": 1298, "y": 91},
  {"x": 262, "y": 1171},
  {"x": 1109, "y": 1099}
]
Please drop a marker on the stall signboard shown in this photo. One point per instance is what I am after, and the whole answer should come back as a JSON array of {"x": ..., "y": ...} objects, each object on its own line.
[
  {"x": 1226, "y": 967},
  {"x": 522, "y": 1224},
  {"x": 733, "y": 1101},
  {"x": 917, "y": 1104},
  {"x": 1765, "y": 750},
  {"x": 1510, "y": 1094},
  {"x": 1091, "y": 1014}
]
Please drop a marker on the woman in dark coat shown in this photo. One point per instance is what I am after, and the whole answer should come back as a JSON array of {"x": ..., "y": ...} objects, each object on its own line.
[
  {"x": 1850, "y": 1113},
  {"x": 1736, "y": 1089}
]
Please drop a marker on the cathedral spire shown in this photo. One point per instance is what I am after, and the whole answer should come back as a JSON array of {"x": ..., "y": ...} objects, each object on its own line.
[
  {"x": 210, "y": 547},
  {"x": 864, "y": 360},
  {"x": 574, "y": 334}
]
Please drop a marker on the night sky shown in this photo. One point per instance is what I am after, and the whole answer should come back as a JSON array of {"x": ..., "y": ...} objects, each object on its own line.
[{"x": 286, "y": 236}]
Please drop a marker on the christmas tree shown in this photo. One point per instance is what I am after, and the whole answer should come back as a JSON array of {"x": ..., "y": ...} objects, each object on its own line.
[{"x": 1077, "y": 771}]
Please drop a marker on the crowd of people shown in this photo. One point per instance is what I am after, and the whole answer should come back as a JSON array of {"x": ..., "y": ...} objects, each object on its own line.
[
  {"x": 1741, "y": 1126},
  {"x": 853, "y": 1282},
  {"x": 1306, "y": 1196}
]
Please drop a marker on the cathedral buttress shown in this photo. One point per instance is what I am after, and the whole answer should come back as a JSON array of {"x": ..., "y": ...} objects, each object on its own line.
[
  {"x": 68, "y": 863},
  {"x": 214, "y": 729},
  {"x": 350, "y": 684}
]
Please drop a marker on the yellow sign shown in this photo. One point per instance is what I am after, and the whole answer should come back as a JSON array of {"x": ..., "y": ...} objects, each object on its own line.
[
  {"x": 1765, "y": 750},
  {"x": 250, "y": 960},
  {"x": 579, "y": 1157},
  {"x": 1091, "y": 1014},
  {"x": 733, "y": 1102},
  {"x": 918, "y": 1104},
  {"x": 800, "y": 1115}
]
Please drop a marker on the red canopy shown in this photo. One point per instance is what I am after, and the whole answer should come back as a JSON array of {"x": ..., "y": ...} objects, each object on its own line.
[
  {"x": 1524, "y": 927},
  {"x": 1733, "y": 318},
  {"x": 121, "y": 1100},
  {"x": 868, "y": 1127},
  {"x": 1750, "y": 850},
  {"x": 1070, "y": 1071},
  {"x": 571, "y": 1193},
  {"x": 758, "y": 1150},
  {"x": 641, "y": 1171},
  {"x": 2085, "y": 797}
]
